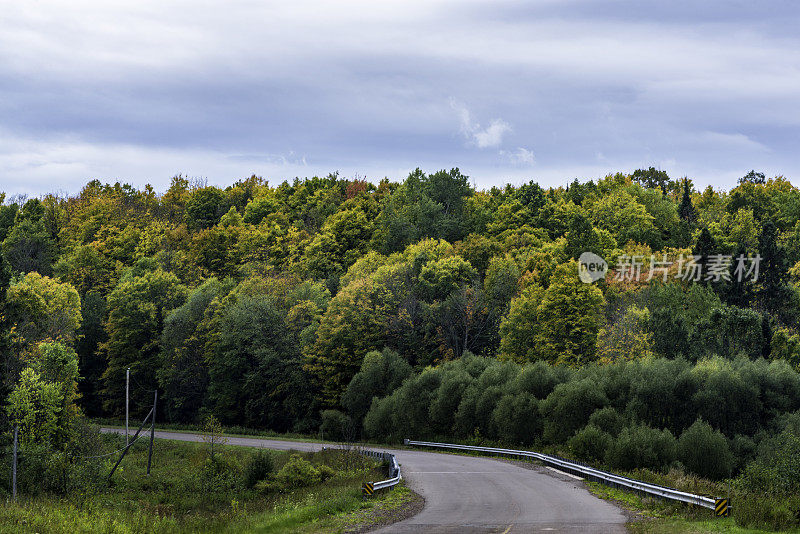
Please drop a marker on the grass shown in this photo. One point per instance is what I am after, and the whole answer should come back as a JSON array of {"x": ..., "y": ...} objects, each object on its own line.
[
  {"x": 244, "y": 432},
  {"x": 181, "y": 497},
  {"x": 656, "y": 516},
  {"x": 238, "y": 431}
]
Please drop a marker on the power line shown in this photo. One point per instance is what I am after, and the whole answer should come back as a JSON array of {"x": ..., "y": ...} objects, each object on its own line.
[{"x": 141, "y": 387}]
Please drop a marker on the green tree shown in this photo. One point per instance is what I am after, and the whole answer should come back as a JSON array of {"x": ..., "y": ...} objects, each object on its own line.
[
  {"x": 569, "y": 407},
  {"x": 424, "y": 206},
  {"x": 686, "y": 210},
  {"x": 519, "y": 328},
  {"x": 136, "y": 311},
  {"x": 255, "y": 373},
  {"x": 622, "y": 215},
  {"x": 183, "y": 369},
  {"x": 705, "y": 452},
  {"x": 652, "y": 178},
  {"x": 642, "y": 447},
  {"x": 342, "y": 240},
  {"x": 626, "y": 337},
  {"x": 28, "y": 247},
  {"x": 90, "y": 336},
  {"x": 774, "y": 294},
  {"x": 41, "y": 308},
  {"x": 569, "y": 318},
  {"x": 204, "y": 208},
  {"x": 380, "y": 374},
  {"x": 35, "y": 405}
]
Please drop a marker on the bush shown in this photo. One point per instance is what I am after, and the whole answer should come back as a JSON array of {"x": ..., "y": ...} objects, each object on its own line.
[
  {"x": 325, "y": 472},
  {"x": 568, "y": 408},
  {"x": 608, "y": 420},
  {"x": 296, "y": 473},
  {"x": 220, "y": 473},
  {"x": 705, "y": 452},
  {"x": 336, "y": 426},
  {"x": 517, "y": 419},
  {"x": 771, "y": 513},
  {"x": 642, "y": 447},
  {"x": 380, "y": 374},
  {"x": 590, "y": 444},
  {"x": 259, "y": 466},
  {"x": 777, "y": 468},
  {"x": 379, "y": 421},
  {"x": 744, "y": 451}
]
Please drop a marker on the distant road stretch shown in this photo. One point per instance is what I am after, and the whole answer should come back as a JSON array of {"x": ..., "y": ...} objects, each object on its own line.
[{"x": 466, "y": 494}]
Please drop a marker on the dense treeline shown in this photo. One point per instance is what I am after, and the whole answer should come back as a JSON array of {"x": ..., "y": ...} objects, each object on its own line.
[{"x": 260, "y": 304}]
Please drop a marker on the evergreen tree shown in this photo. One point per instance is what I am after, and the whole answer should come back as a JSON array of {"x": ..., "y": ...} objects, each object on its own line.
[
  {"x": 773, "y": 294},
  {"x": 686, "y": 209},
  {"x": 704, "y": 248}
]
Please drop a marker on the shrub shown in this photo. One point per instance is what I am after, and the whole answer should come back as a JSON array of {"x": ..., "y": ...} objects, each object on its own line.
[
  {"x": 517, "y": 418},
  {"x": 642, "y": 447},
  {"x": 297, "y": 473},
  {"x": 766, "y": 511},
  {"x": 335, "y": 425},
  {"x": 380, "y": 374},
  {"x": 777, "y": 468},
  {"x": 608, "y": 420},
  {"x": 379, "y": 421},
  {"x": 590, "y": 443},
  {"x": 259, "y": 466},
  {"x": 568, "y": 408},
  {"x": 744, "y": 451},
  {"x": 220, "y": 473},
  {"x": 325, "y": 472},
  {"x": 705, "y": 452}
]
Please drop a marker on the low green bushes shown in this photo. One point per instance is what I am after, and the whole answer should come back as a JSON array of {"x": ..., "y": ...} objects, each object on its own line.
[
  {"x": 590, "y": 444},
  {"x": 705, "y": 452},
  {"x": 642, "y": 447},
  {"x": 258, "y": 467},
  {"x": 296, "y": 473},
  {"x": 336, "y": 426}
]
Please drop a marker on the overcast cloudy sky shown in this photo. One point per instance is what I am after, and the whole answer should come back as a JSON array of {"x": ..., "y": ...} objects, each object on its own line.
[{"x": 507, "y": 91}]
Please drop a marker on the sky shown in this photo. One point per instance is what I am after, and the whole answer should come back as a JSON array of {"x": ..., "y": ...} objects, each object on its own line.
[{"x": 509, "y": 92}]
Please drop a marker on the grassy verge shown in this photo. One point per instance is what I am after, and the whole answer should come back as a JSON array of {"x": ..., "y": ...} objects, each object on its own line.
[
  {"x": 238, "y": 431},
  {"x": 655, "y": 516},
  {"x": 186, "y": 493}
]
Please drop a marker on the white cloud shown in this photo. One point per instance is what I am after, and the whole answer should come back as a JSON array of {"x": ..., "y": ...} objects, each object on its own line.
[
  {"x": 520, "y": 156},
  {"x": 491, "y": 136},
  {"x": 144, "y": 90}
]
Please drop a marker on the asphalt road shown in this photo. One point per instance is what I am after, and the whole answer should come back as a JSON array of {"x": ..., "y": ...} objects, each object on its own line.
[{"x": 466, "y": 494}]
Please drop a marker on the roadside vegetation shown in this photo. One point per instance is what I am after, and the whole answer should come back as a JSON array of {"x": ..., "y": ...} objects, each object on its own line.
[
  {"x": 238, "y": 489},
  {"x": 422, "y": 308}
]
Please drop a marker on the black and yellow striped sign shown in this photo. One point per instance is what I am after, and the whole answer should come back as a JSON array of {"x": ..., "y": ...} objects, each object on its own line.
[
  {"x": 367, "y": 488},
  {"x": 721, "y": 508}
]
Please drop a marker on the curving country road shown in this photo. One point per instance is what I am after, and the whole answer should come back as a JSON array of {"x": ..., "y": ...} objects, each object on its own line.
[{"x": 467, "y": 494}]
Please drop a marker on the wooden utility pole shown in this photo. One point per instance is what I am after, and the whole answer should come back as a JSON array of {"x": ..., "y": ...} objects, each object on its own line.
[
  {"x": 152, "y": 430},
  {"x": 127, "y": 400},
  {"x": 14, "y": 466},
  {"x": 125, "y": 451}
]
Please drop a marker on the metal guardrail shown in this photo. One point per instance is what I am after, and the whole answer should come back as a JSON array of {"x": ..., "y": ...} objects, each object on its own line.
[
  {"x": 394, "y": 472},
  {"x": 587, "y": 471}
]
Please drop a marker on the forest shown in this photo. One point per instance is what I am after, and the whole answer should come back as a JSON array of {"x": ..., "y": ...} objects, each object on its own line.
[{"x": 424, "y": 308}]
